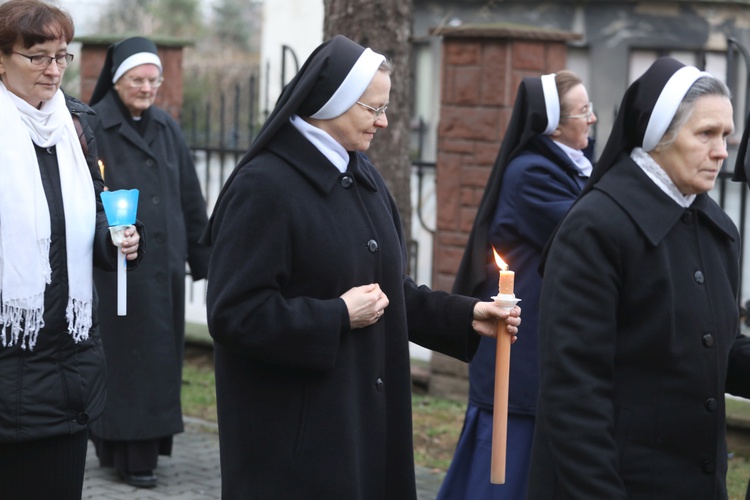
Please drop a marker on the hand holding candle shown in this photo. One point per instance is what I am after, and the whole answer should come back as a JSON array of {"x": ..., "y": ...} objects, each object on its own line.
[{"x": 507, "y": 299}]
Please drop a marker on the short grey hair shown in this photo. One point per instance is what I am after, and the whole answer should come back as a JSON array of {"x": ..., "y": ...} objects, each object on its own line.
[{"x": 703, "y": 86}]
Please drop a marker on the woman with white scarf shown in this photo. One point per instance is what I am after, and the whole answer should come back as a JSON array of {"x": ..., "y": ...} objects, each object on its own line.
[{"x": 52, "y": 229}]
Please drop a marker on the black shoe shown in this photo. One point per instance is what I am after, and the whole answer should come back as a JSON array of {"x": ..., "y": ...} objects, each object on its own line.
[{"x": 145, "y": 479}]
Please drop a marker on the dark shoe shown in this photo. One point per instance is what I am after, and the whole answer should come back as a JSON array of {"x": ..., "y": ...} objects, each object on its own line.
[{"x": 145, "y": 479}]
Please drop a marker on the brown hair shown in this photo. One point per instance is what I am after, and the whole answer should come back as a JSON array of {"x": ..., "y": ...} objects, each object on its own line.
[
  {"x": 565, "y": 80},
  {"x": 32, "y": 22}
]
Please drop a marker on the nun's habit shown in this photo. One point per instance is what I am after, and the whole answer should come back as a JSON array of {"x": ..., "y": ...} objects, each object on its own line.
[
  {"x": 639, "y": 325},
  {"x": 309, "y": 408},
  {"x": 531, "y": 186},
  {"x": 145, "y": 349}
]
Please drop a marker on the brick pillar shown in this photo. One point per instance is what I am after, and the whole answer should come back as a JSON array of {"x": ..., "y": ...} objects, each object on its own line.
[
  {"x": 482, "y": 66},
  {"x": 170, "y": 95}
]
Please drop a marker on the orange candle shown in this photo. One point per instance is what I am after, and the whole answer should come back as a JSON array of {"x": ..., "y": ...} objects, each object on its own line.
[
  {"x": 505, "y": 285},
  {"x": 502, "y": 379}
]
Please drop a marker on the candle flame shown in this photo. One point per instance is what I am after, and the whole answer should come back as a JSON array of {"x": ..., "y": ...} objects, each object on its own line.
[
  {"x": 101, "y": 168},
  {"x": 500, "y": 262}
]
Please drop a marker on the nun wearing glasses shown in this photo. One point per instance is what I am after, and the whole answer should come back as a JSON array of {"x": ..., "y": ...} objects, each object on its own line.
[
  {"x": 541, "y": 168},
  {"x": 142, "y": 147},
  {"x": 308, "y": 301},
  {"x": 639, "y": 323}
]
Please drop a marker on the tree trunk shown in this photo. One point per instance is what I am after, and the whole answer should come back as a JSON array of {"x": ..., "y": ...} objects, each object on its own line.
[{"x": 385, "y": 26}]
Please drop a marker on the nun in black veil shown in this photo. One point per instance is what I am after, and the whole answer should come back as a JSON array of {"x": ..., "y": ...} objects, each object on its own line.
[
  {"x": 308, "y": 302},
  {"x": 639, "y": 324}
]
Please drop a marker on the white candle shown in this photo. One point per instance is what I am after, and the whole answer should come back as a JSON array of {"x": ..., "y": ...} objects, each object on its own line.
[{"x": 122, "y": 283}]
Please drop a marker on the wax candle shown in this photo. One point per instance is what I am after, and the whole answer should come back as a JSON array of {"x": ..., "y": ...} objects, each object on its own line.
[
  {"x": 101, "y": 168},
  {"x": 505, "y": 283}
]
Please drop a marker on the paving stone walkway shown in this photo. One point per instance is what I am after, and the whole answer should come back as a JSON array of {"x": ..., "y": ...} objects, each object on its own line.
[{"x": 192, "y": 472}]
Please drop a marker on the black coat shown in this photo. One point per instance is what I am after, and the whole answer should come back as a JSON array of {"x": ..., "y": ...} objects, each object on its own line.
[
  {"x": 639, "y": 340},
  {"x": 58, "y": 387},
  {"x": 144, "y": 349},
  {"x": 309, "y": 408}
]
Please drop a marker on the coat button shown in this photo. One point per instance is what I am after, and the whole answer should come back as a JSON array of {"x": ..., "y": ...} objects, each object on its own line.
[
  {"x": 372, "y": 246},
  {"x": 155, "y": 200},
  {"x": 379, "y": 384},
  {"x": 346, "y": 181},
  {"x": 82, "y": 418},
  {"x": 709, "y": 467},
  {"x": 708, "y": 340},
  {"x": 711, "y": 404},
  {"x": 150, "y": 163},
  {"x": 699, "y": 278}
]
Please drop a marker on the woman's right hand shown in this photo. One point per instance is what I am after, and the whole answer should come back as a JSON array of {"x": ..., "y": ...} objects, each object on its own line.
[{"x": 366, "y": 304}]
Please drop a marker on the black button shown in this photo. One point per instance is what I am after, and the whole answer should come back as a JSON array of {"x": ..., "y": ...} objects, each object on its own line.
[
  {"x": 708, "y": 340},
  {"x": 372, "y": 246},
  {"x": 687, "y": 217},
  {"x": 82, "y": 418},
  {"x": 346, "y": 181},
  {"x": 150, "y": 163},
  {"x": 708, "y": 466},
  {"x": 699, "y": 278},
  {"x": 711, "y": 404},
  {"x": 155, "y": 200},
  {"x": 379, "y": 384}
]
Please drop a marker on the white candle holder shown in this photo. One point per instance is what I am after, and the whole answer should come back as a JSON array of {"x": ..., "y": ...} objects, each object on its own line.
[{"x": 507, "y": 302}]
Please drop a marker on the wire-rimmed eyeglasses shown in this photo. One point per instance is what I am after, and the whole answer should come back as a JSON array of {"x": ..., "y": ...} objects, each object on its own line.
[
  {"x": 43, "y": 62},
  {"x": 586, "y": 114},
  {"x": 376, "y": 111},
  {"x": 137, "y": 83}
]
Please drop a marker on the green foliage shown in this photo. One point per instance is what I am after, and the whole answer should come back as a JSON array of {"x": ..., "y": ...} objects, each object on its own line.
[{"x": 234, "y": 23}]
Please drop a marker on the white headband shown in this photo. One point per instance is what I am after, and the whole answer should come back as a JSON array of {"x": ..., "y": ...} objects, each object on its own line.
[
  {"x": 136, "y": 60},
  {"x": 551, "y": 102},
  {"x": 666, "y": 105},
  {"x": 353, "y": 86}
]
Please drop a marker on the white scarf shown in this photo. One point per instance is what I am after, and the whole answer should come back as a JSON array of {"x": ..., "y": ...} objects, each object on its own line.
[
  {"x": 578, "y": 158},
  {"x": 660, "y": 177},
  {"x": 25, "y": 231}
]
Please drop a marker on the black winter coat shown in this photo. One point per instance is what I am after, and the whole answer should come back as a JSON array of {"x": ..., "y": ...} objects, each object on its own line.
[
  {"x": 639, "y": 340},
  {"x": 145, "y": 348},
  {"x": 308, "y": 408},
  {"x": 59, "y": 387}
]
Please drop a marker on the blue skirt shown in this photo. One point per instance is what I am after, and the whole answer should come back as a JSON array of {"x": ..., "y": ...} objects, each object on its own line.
[{"x": 469, "y": 474}]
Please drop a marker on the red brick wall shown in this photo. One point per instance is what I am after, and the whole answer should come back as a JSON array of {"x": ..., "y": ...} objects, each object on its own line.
[{"x": 170, "y": 94}]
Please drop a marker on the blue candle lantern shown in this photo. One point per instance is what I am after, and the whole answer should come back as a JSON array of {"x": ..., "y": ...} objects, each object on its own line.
[{"x": 120, "y": 206}]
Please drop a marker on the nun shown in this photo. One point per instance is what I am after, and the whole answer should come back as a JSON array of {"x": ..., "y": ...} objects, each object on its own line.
[
  {"x": 639, "y": 323},
  {"x": 309, "y": 304},
  {"x": 142, "y": 147},
  {"x": 541, "y": 168}
]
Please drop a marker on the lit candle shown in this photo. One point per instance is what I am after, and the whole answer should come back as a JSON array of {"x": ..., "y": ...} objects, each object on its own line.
[
  {"x": 502, "y": 377},
  {"x": 101, "y": 168}
]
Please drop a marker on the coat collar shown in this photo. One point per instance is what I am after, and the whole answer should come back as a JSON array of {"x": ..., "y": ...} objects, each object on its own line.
[
  {"x": 111, "y": 116},
  {"x": 314, "y": 166},
  {"x": 651, "y": 209}
]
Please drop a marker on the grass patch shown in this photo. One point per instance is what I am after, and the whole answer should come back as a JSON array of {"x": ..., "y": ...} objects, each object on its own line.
[{"x": 437, "y": 425}]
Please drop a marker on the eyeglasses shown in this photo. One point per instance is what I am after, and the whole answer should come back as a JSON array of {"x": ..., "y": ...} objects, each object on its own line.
[
  {"x": 587, "y": 114},
  {"x": 137, "y": 83},
  {"x": 43, "y": 62},
  {"x": 378, "y": 111}
]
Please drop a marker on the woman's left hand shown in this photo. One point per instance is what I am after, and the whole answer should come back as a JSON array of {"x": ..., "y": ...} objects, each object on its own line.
[
  {"x": 489, "y": 315},
  {"x": 130, "y": 243}
]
